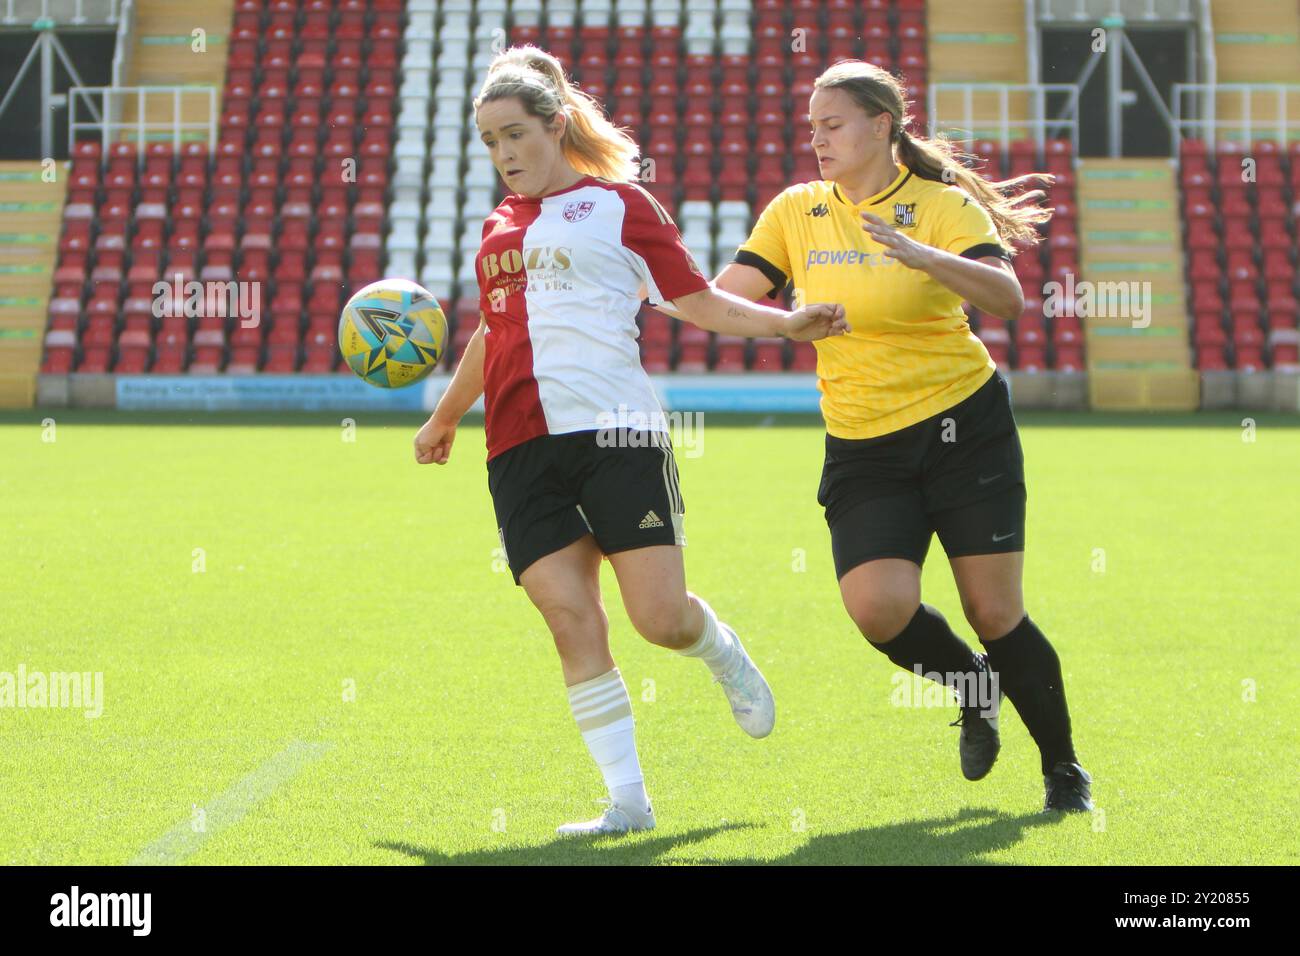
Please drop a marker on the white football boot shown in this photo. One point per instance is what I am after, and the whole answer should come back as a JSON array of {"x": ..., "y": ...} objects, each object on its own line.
[
  {"x": 615, "y": 819},
  {"x": 751, "y": 699}
]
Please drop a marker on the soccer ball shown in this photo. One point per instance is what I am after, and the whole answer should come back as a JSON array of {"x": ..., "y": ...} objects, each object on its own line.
[{"x": 392, "y": 333}]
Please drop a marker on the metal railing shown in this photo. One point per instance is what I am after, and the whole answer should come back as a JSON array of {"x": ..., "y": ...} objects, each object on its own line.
[
  {"x": 1033, "y": 42},
  {"x": 1209, "y": 59},
  {"x": 1037, "y": 124},
  {"x": 1084, "y": 11},
  {"x": 1201, "y": 118},
  {"x": 75, "y": 13},
  {"x": 112, "y": 99},
  {"x": 124, "y": 43}
]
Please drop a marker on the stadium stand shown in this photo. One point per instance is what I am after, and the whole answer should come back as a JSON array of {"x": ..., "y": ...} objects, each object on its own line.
[
  {"x": 1240, "y": 240},
  {"x": 345, "y": 151},
  {"x": 293, "y": 198},
  {"x": 1129, "y": 224},
  {"x": 29, "y": 237},
  {"x": 1240, "y": 187}
]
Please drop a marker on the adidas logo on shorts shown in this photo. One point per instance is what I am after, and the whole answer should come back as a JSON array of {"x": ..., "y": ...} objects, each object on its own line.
[{"x": 651, "y": 520}]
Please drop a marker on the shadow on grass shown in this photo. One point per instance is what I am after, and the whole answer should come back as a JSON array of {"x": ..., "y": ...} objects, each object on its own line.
[
  {"x": 964, "y": 838},
  {"x": 569, "y": 851}
]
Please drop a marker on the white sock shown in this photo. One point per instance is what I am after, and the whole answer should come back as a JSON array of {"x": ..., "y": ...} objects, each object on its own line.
[
  {"x": 603, "y": 710},
  {"x": 714, "y": 646}
]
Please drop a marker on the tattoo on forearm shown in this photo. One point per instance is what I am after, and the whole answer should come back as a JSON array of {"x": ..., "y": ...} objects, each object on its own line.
[{"x": 735, "y": 313}]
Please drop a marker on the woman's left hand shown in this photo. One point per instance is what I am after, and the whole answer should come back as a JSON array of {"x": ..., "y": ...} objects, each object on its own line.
[{"x": 913, "y": 254}]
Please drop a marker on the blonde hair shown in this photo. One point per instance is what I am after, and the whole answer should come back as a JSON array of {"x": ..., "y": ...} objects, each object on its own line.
[
  {"x": 591, "y": 143},
  {"x": 1014, "y": 213}
]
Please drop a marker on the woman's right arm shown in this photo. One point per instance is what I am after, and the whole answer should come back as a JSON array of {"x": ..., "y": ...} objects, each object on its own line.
[
  {"x": 731, "y": 309},
  {"x": 433, "y": 441},
  {"x": 744, "y": 281},
  {"x": 716, "y": 310}
]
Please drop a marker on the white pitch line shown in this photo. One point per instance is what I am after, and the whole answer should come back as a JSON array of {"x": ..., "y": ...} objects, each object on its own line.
[{"x": 228, "y": 808}]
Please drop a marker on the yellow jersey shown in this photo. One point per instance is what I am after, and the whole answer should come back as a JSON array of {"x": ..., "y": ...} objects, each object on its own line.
[{"x": 910, "y": 352}]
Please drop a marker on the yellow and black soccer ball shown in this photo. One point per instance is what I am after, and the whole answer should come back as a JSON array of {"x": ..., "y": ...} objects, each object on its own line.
[{"x": 392, "y": 333}]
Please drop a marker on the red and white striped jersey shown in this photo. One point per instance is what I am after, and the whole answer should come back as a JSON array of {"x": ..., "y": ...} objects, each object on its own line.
[{"x": 559, "y": 281}]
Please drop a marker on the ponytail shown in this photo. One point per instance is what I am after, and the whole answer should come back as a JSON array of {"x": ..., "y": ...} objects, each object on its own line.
[{"x": 1014, "y": 211}]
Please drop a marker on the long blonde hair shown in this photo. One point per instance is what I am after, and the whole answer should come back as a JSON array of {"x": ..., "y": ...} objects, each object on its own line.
[
  {"x": 1015, "y": 213},
  {"x": 591, "y": 143}
]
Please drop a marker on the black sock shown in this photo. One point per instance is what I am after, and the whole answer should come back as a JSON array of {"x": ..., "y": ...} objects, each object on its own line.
[
  {"x": 927, "y": 643},
  {"x": 1030, "y": 673}
]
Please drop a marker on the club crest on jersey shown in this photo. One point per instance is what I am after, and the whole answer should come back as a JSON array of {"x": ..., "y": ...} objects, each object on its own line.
[
  {"x": 904, "y": 214},
  {"x": 577, "y": 211}
]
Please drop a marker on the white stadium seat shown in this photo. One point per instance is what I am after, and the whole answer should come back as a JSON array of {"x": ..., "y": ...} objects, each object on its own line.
[
  {"x": 453, "y": 56},
  {"x": 421, "y": 25},
  {"x": 526, "y": 11},
  {"x": 733, "y": 224},
  {"x": 603, "y": 19},
  {"x": 401, "y": 264},
  {"x": 406, "y": 197},
  {"x": 558, "y": 17},
  {"x": 410, "y": 148},
  {"x": 699, "y": 33},
  {"x": 450, "y": 120},
  {"x": 438, "y": 280},
  {"x": 443, "y": 200},
  {"x": 479, "y": 202},
  {"x": 413, "y": 116},
  {"x": 447, "y": 146},
  {"x": 445, "y": 172},
  {"x": 467, "y": 276},
  {"x": 409, "y": 172},
  {"x": 418, "y": 55},
  {"x": 480, "y": 171},
  {"x": 416, "y": 80},
  {"x": 403, "y": 236}
]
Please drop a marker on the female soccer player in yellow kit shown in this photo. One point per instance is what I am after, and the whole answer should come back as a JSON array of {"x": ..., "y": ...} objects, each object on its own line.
[{"x": 920, "y": 433}]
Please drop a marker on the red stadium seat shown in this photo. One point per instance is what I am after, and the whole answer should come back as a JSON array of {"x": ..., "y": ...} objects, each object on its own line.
[
  {"x": 804, "y": 357},
  {"x": 768, "y": 357}
]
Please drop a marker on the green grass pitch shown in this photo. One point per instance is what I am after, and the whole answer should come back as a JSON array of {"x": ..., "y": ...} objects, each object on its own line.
[{"x": 349, "y": 680}]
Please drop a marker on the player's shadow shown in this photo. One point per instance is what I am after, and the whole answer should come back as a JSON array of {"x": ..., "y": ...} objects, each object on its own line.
[
  {"x": 568, "y": 851},
  {"x": 965, "y": 838},
  {"x": 957, "y": 840}
]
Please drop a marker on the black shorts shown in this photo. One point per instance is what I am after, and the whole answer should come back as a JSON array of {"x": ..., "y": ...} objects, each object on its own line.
[
  {"x": 960, "y": 473},
  {"x": 551, "y": 490}
]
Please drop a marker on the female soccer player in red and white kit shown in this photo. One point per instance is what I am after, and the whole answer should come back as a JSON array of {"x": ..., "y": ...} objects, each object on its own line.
[{"x": 564, "y": 263}]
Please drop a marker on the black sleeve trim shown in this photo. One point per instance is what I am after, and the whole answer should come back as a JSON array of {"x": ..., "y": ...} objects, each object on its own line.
[
  {"x": 774, "y": 275},
  {"x": 986, "y": 249}
]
